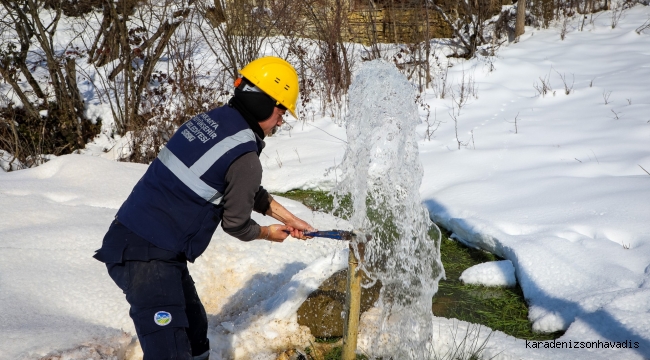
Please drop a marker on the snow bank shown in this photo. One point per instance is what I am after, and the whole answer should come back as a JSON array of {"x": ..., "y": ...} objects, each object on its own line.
[
  {"x": 493, "y": 273},
  {"x": 56, "y": 300},
  {"x": 7, "y": 161},
  {"x": 459, "y": 339}
]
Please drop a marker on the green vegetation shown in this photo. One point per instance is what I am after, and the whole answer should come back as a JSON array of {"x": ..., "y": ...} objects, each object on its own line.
[
  {"x": 498, "y": 308},
  {"x": 328, "y": 349},
  {"x": 316, "y": 200},
  {"x": 337, "y": 352},
  {"x": 328, "y": 340},
  {"x": 319, "y": 200}
]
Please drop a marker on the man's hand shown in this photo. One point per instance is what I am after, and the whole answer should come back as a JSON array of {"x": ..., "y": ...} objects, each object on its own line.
[
  {"x": 278, "y": 233},
  {"x": 299, "y": 227},
  {"x": 275, "y": 233},
  {"x": 294, "y": 225}
]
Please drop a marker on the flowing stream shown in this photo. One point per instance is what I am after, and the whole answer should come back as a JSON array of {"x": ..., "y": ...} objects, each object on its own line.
[{"x": 381, "y": 174}]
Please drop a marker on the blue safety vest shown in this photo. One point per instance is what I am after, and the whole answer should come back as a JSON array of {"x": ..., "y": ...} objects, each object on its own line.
[{"x": 177, "y": 204}]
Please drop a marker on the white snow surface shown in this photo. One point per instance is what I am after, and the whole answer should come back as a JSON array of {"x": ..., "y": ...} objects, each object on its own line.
[
  {"x": 55, "y": 296},
  {"x": 492, "y": 273},
  {"x": 561, "y": 194}
]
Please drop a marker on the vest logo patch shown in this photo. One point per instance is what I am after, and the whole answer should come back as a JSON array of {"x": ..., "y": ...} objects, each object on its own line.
[{"x": 162, "y": 318}]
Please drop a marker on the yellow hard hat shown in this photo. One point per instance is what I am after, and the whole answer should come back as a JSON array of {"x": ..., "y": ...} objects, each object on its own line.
[{"x": 277, "y": 78}]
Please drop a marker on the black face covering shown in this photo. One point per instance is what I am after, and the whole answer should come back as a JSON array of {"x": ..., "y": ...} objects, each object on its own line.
[{"x": 254, "y": 107}]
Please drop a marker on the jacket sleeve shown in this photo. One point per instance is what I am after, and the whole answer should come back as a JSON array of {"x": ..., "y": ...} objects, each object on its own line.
[{"x": 244, "y": 194}]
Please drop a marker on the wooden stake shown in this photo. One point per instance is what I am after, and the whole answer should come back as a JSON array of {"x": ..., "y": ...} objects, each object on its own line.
[{"x": 352, "y": 308}]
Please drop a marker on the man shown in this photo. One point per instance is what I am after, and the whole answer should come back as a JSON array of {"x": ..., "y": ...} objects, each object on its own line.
[{"x": 208, "y": 173}]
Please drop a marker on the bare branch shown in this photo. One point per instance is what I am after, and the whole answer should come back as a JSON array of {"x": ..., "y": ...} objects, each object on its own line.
[{"x": 646, "y": 171}]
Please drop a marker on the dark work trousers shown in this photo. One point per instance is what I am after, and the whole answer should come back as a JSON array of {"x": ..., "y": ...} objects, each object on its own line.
[
  {"x": 169, "y": 318},
  {"x": 166, "y": 287}
]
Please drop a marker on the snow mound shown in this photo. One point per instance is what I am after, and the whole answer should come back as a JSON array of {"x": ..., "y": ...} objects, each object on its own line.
[
  {"x": 493, "y": 273},
  {"x": 58, "y": 302},
  {"x": 110, "y": 348},
  {"x": 272, "y": 325}
]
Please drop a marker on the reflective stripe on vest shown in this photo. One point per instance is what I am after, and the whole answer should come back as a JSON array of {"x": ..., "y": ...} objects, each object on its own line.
[{"x": 191, "y": 176}]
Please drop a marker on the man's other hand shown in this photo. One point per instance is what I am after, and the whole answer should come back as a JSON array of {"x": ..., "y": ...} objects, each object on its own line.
[{"x": 275, "y": 233}]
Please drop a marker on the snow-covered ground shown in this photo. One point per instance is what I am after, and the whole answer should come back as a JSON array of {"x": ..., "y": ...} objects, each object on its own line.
[
  {"x": 492, "y": 273},
  {"x": 55, "y": 296},
  {"x": 552, "y": 183}
]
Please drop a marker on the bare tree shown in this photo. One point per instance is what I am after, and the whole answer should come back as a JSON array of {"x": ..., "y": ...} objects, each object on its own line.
[
  {"x": 521, "y": 18},
  {"x": 137, "y": 37},
  {"x": 454, "y": 116},
  {"x": 178, "y": 91},
  {"x": 467, "y": 23},
  {"x": 328, "y": 22},
  {"x": 236, "y": 36},
  {"x": 643, "y": 27},
  {"x": 27, "y": 46}
]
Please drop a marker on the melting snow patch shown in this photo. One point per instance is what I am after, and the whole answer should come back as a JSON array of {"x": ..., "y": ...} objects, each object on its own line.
[
  {"x": 110, "y": 348},
  {"x": 493, "y": 273}
]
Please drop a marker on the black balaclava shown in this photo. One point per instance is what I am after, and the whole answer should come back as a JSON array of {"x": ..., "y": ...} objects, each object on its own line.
[{"x": 253, "y": 104}]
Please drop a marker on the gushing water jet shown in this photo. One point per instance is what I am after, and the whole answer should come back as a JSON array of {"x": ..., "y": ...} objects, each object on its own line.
[{"x": 381, "y": 174}]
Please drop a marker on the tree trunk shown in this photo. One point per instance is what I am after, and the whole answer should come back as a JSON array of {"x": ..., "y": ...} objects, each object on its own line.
[
  {"x": 27, "y": 105},
  {"x": 521, "y": 18},
  {"x": 76, "y": 98},
  {"x": 166, "y": 30}
]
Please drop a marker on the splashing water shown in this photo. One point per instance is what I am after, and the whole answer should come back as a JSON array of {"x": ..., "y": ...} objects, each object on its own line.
[{"x": 382, "y": 174}]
